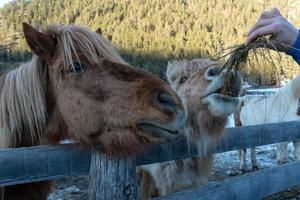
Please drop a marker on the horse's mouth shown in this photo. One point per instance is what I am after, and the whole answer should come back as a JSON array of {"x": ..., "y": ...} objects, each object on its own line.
[
  {"x": 224, "y": 95},
  {"x": 222, "y": 102},
  {"x": 158, "y": 131},
  {"x": 222, "y": 98},
  {"x": 221, "y": 105}
]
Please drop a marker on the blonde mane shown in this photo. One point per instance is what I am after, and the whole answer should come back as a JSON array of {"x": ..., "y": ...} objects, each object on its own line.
[
  {"x": 22, "y": 99},
  {"x": 22, "y": 108}
]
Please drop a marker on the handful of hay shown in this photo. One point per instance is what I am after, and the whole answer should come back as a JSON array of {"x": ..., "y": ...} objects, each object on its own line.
[{"x": 238, "y": 55}]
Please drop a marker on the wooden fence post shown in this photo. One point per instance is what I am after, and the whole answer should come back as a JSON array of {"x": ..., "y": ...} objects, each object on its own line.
[{"x": 112, "y": 178}]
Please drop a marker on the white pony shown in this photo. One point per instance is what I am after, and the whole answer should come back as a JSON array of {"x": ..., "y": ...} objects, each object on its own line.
[{"x": 280, "y": 107}]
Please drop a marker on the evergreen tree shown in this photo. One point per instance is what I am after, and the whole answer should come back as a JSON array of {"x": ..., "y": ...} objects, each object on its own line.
[{"x": 149, "y": 33}]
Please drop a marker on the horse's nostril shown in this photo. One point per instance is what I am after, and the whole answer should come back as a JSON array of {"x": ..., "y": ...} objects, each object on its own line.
[
  {"x": 167, "y": 101},
  {"x": 212, "y": 72},
  {"x": 165, "y": 98}
]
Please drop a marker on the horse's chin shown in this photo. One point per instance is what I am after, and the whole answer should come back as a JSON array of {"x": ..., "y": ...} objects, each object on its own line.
[
  {"x": 131, "y": 141},
  {"x": 221, "y": 105},
  {"x": 117, "y": 142}
]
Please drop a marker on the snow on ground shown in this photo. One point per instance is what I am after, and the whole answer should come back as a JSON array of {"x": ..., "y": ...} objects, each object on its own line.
[{"x": 228, "y": 162}]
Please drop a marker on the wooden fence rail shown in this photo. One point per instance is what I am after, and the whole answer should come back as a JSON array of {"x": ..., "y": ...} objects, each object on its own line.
[
  {"x": 250, "y": 186},
  {"x": 38, "y": 163},
  {"x": 234, "y": 139},
  {"x": 31, "y": 164}
]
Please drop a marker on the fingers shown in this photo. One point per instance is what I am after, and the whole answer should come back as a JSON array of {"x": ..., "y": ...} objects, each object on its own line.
[
  {"x": 275, "y": 12},
  {"x": 261, "y": 23},
  {"x": 266, "y": 15},
  {"x": 265, "y": 25},
  {"x": 263, "y": 31}
]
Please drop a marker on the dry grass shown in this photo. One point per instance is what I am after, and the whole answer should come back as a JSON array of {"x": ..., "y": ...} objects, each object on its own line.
[{"x": 249, "y": 55}]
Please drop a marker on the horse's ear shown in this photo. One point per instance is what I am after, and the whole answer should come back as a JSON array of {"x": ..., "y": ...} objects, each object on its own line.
[
  {"x": 41, "y": 44},
  {"x": 99, "y": 31}
]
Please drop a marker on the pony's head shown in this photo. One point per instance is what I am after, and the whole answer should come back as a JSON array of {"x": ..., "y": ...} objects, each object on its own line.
[
  {"x": 94, "y": 96},
  {"x": 200, "y": 84}
]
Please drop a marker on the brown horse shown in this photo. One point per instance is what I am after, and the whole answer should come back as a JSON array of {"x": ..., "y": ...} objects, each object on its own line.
[{"x": 77, "y": 86}]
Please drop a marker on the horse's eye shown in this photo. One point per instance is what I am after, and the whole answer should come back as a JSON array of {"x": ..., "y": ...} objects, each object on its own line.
[
  {"x": 182, "y": 79},
  {"x": 77, "y": 68}
]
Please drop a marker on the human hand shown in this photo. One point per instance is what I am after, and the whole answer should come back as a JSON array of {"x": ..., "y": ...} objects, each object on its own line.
[{"x": 283, "y": 33}]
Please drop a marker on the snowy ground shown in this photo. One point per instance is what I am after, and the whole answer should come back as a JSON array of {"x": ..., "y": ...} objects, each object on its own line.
[
  {"x": 266, "y": 158},
  {"x": 225, "y": 165}
]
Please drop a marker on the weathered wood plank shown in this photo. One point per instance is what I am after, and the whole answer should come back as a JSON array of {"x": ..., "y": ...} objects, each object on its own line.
[
  {"x": 112, "y": 178},
  {"x": 31, "y": 164},
  {"x": 235, "y": 138},
  {"x": 23, "y": 165},
  {"x": 251, "y": 186}
]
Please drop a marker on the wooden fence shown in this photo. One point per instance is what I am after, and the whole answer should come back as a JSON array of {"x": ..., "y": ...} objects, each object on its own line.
[{"x": 114, "y": 178}]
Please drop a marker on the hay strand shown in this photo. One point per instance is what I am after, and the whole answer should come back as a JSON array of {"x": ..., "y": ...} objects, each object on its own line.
[{"x": 239, "y": 54}]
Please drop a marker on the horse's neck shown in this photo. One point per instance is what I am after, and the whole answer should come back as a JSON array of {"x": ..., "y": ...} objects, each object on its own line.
[
  {"x": 292, "y": 101},
  {"x": 279, "y": 107},
  {"x": 295, "y": 86},
  {"x": 286, "y": 97}
]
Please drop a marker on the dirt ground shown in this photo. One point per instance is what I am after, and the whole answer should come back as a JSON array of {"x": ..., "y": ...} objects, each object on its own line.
[
  {"x": 226, "y": 164},
  {"x": 76, "y": 189}
]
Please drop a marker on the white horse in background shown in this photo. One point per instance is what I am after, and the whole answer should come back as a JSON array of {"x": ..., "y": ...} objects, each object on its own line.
[{"x": 280, "y": 107}]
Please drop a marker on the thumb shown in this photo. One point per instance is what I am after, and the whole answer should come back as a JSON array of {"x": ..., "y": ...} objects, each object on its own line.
[{"x": 275, "y": 11}]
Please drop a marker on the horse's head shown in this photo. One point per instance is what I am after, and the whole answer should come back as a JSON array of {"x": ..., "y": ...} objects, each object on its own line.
[
  {"x": 200, "y": 84},
  {"x": 93, "y": 96}
]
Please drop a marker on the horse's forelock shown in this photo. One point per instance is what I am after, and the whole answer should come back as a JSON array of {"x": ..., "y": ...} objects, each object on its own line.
[{"x": 72, "y": 39}]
